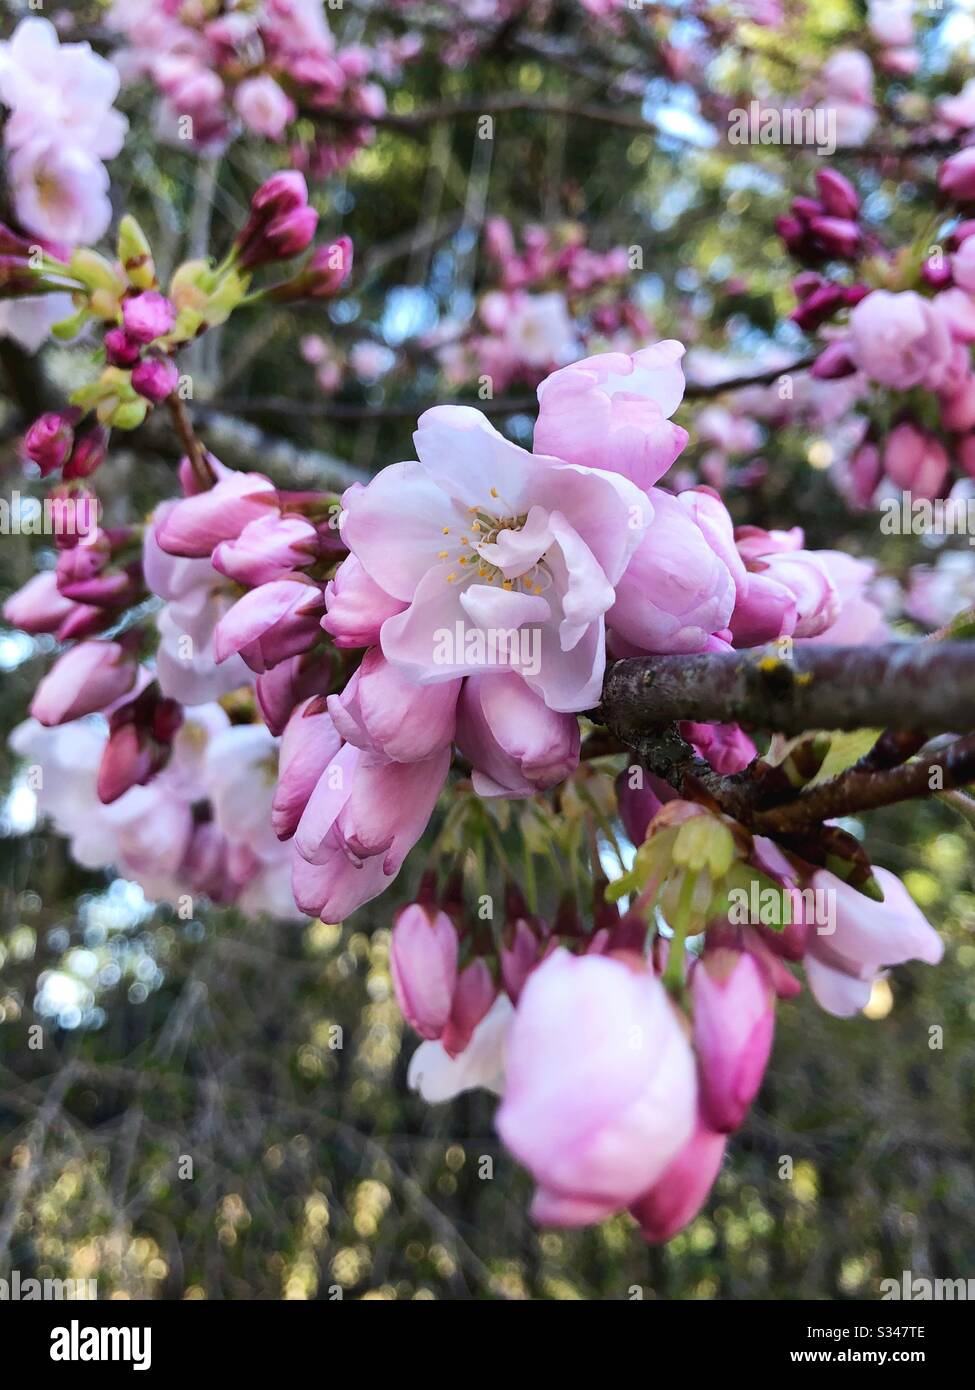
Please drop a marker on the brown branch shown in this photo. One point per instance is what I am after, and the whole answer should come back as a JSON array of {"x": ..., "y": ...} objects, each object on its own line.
[
  {"x": 902, "y": 685},
  {"x": 704, "y": 390},
  {"x": 354, "y": 412},
  {"x": 414, "y": 123},
  {"x": 192, "y": 447},
  {"x": 920, "y": 688},
  {"x": 854, "y": 791}
]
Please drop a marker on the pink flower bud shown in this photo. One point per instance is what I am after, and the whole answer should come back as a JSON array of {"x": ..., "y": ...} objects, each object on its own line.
[
  {"x": 284, "y": 236},
  {"x": 837, "y": 194},
  {"x": 956, "y": 177},
  {"x": 733, "y": 1026},
  {"x": 833, "y": 363},
  {"x": 197, "y": 524},
  {"x": 518, "y": 746},
  {"x": 474, "y": 994},
  {"x": 818, "y": 306},
  {"x": 382, "y": 711},
  {"x": 271, "y": 623},
  {"x": 836, "y": 236},
  {"x": 266, "y": 549},
  {"x": 148, "y": 316},
  {"x": 49, "y": 440},
  {"x": 87, "y": 678},
  {"x": 280, "y": 690},
  {"x": 39, "y": 606},
  {"x": 280, "y": 193},
  {"x": 327, "y": 269},
  {"x": 423, "y": 960},
  {"x": 725, "y": 746},
  {"x": 89, "y": 452},
  {"x": 356, "y": 607},
  {"x": 140, "y": 736},
  {"x": 309, "y": 744},
  {"x": 639, "y": 796},
  {"x": 120, "y": 349},
  {"x": 155, "y": 378},
  {"x": 518, "y": 958},
  {"x": 681, "y": 1191},
  {"x": 916, "y": 461},
  {"x": 600, "y": 1091}
]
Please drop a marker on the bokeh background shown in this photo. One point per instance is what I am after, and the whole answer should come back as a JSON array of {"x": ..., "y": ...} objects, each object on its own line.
[{"x": 272, "y": 1055}]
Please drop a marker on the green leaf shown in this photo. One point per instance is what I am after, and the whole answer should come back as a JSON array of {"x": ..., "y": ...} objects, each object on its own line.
[{"x": 845, "y": 749}]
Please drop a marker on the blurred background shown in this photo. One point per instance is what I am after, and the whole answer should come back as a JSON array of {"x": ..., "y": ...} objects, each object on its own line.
[{"x": 217, "y": 1108}]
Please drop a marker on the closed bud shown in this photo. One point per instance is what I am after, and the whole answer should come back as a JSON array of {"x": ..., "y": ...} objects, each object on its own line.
[{"x": 135, "y": 254}]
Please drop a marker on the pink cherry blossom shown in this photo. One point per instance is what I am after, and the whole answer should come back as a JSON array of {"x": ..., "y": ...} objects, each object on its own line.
[
  {"x": 480, "y": 536},
  {"x": 600, "y": 1094},
  {"x": 613, "y": 412},
  {"x": 676, "y": 590},
  {"x": 516, "y": 744},
  {"x": 841, "y": 964}
]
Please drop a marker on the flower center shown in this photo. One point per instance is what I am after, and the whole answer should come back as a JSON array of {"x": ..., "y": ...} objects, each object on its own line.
[{"x": 484, "y": 528}]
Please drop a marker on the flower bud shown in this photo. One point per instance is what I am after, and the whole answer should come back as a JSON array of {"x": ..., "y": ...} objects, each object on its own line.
[
  {"x": 135, "y": 253},
  {"x": 50, "y": 439},
  {"x": 148, "y": 316},
  {"x": 155, "y": 378}
]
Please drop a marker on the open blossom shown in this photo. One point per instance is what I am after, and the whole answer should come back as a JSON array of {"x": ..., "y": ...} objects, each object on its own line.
[
  {"x": 61, "y": 125},
  {"x": 848, "y": 80},
  {"x": 439, "y": 1077},
  {"x": 613, "y": 411},
  {"x": 600, "y": 1093},
  {"x": 481, "y": 537},
  {"x": 842, "y": 963},
  {"x": 181, "y": 832},
  {"x": 60, "y": 191},
  {"x": 264, "y": 107},
  {"x": 900, "y": 340},
  {"x": 536, "y": 328}
]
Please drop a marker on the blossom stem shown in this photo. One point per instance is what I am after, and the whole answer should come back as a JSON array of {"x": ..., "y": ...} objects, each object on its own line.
[
  {"x": 673, "y": 976},
  {"x": 202, "y": 471}
]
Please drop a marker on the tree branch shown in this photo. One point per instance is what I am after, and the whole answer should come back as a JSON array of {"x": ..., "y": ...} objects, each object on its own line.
[
  {"x": 925, "y": 686},
  {"x": 853, "y": 791}
]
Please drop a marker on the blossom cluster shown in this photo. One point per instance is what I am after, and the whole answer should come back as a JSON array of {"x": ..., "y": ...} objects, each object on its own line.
[
  {"x": 554, "y": 297},
  {"x": 260, "y": 68},
  {"x": 903, "y": 320}
]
